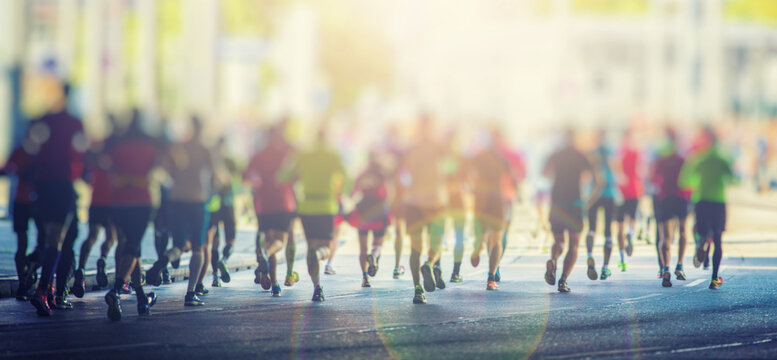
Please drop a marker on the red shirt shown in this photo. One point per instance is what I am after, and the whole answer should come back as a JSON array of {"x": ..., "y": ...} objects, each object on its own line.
[
  {"x": 19, "y": 164},
  {"x": 271, "y": 196},
  {"x": 371, "y": 183},
  {"x": 59, "y": 156},
  {"x": 133, "y": 156},
  {"x": 632, "y": 187},
  {"x": 666, "y": 174}
]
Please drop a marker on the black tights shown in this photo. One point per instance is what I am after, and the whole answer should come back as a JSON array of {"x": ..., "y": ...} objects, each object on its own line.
[{"x": 717, "y": 256}]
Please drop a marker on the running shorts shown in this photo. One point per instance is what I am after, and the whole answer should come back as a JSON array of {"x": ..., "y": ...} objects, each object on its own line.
[
  {"x": 566, "y": 218},
  {"x": 131, "y": 223},
  {"x": 710, "y": 218},
  {"x": 318, "y": 227},
  {"x": 628, "y": 208}
]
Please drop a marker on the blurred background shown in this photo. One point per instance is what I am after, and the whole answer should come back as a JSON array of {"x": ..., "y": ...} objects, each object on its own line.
[{"x": 530, "y": 66}]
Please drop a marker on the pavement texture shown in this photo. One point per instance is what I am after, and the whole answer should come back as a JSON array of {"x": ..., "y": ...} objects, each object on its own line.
[{"x": 627, "y": 316}]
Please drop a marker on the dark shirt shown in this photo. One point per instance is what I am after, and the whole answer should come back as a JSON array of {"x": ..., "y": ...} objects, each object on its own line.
[{"x": 567, "y": 166}]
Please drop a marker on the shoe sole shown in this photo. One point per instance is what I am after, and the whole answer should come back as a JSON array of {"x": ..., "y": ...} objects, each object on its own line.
[
  {"x": 679, "y": 276},
  {"x": 550, "y": 272},
  {"x": 592, "y": 269},
  {"x": 225, "y": 277},
  {"x": 438, "y": 281},
  {"x": 264, "y": 276},
  {"x": 629, "y": 249},
  {"x": 78, "y": 289},
  {"x": 114, "y": 308},
  {"x": 39, "y": 307},
  {"x": 194, "y": 304},
  {"x": 564, "y": 290},
  {"x": 419, "y": 302},
  {"x": 426, "y": 273},
  {"x": 372, "y": 269}
]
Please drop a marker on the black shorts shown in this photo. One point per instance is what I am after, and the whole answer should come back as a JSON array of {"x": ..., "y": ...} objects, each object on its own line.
[
  {"x": 418, "y": 218},
  {"x": 671, "y": 208},
  {"x": 710, "y": 218},
  {"x": 608, "y": 204},
  {"x": 56, "y": 202},
  {"x": 628, "y": 208},
  {"x": 131, "y": 223},
  {"x": 566, "y": 218},
  {"x": 318, "y": 227},
  {"x": 226, "y": 216},
  {"x": 379, "y": 233},
  {"x": 275, "y": 221},
  {"x": 22, "y": 214},
  {"x": 100, "y": 215},
  {"x": 188, "y": 221}
]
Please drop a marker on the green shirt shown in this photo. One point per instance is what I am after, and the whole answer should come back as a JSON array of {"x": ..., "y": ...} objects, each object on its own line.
[
  {"x": 321, "y": 175},
  {"x": 707, "y": 174}
]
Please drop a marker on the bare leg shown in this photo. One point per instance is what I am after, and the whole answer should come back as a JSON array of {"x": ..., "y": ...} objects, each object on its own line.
[
  {"x": 363, "y": 252},
  {"x": 681, "y": 226},
  {"x": 86, "y": 247},
  {"x": 416, "y": 245},
  {"x": 571, "y": 257}
]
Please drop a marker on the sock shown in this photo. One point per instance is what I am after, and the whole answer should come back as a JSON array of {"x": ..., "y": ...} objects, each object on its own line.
[
  {"x": 365, "y": 274},
  {"x": 491, "y": 277},
  {"x": 666, "y": 268},
  {"x": 456, "y": 267},
  {"x": 621, "y": 252}
]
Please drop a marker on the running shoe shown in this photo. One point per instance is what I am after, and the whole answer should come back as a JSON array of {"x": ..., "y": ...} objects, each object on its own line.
[
  {"x": 142, "y": 278},
  {"x": 372, "y": 269},
  {"x": 102, "y": 277},
  {"x": 21, "y": 292},
  {"x": 629, "y": 246},
  {"x": 61, "y": 303},
  {"x": 606, "y": 273},
  {"x": 79, "y": 284},
  {"x": 192, "y": 299},
  {"x": 329, "y": 270},
  {"x": 291, "y": 279},
  {"x": 456, "y": 278},
  {"x": 366, "y": 282},
  {"x": 398, "y": 272},
  {"x": 50, "y": 296},
  {"x": 622, "y": 266},
  {"x": 491, "y": 285},
  {"x": 550, "y": 272},
  {"x": 200, "y": 290},
  {"x": 176, "y": 263},
  {"x": 419, "y": 297},
  {"x": 318, "y": 294},
  {"x": 562, "y": 286},
  {"x": 40, "y": 302},
  {"x": 700, "y": 257},
  {"x": 426, "y": 272},
  {"x": 680, "y": 274},
  {"x": 224, "y": 271},
  {"x": 166, "y": 278},
  {"x": 126, "y": 289},
  {"x": 154, "y": 275},
  {"x": 145, "y": 308},
  {"x": 498, "y": 275},
  {"x": 666, "y": 279},
  {"x": 262, "y": 273},
  {"x": 706, "y": 267},
  {"x": 276, "y": 290},
  {"x": 438, "y": 281},
  {"x": 114, "y": 305},
  {"x": 716, "y": 284},
  {"x": 216, "y": 282},
  {"x": 592, "y": 269}
]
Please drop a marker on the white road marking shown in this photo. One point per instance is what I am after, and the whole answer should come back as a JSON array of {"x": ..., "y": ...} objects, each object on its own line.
[
  {"x": 642, "y": 297},
  {"x": 694, "y": 283}
]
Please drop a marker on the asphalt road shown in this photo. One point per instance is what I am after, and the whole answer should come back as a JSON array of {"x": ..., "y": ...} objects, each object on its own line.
[{"x": 629, "y": 316}]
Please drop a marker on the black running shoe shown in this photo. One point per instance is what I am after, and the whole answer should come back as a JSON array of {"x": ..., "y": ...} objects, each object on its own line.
[
  {"x": 40, "y": 302},
  {"x": 224, "y": 271},
  {"x": 562, "y": 287},
  {"x": 262, "y": 274},
  {"x": 61, "y": 303},
  {"x": 666, "y": 279},
  {"x": 102, "y": 277},
  {"x": 114, "y": 305},
  {"x": 592, "y": 269},
  {"x": 176, "y": 263},
  {"x": 200, "y": 290},
  {"x": 21, "y": 292},
  {"x": 318, "y": 294},
  {"x": 679, "y": 274},
  {"x": 79, "y": 284},
  {"x": 419, "y": 297},
  {"x": 154, "y": 275},
  {"x": 192, "y": 299},
  {"x": 166, "y": 278},
  {"x": 550, "y": 272},
  {"x": 372, "y": 269},
  {"x": 145, "y": 308},
  {"x": 629, "y": 245},
  {"x": 426, "y": 273},
  {"x": 438, "y": 281}
]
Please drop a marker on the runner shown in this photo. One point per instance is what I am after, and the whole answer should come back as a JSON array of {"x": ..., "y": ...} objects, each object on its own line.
[
  {"x": 566, "y": 167},
  {"x": 329, "y": 269},
  {"x": 631, "y": 190},
  {"x": 510, "y": 184},
  {"x": 274, "y": 205},
  {"x": 424, "y": 204},
  {"x": 161, "y": 224},
  {"x": 457, "y": 186},
  {"x": 191, "y": 168},
  {"x": 18, "y": 166},
  {"x": 222, "y": 211},
  {"x": 321, "y": 174},
  {"x": 707, "y": 174},
  {"x": 393, "y": 157},
  {"x": 491, "y": 207},
  {"x": 601, "y": 159},
  {"x": 99, "y": 216},
  {"x": 674, "y": 204},
  {"x": 57, "y": 143},
  {"x": 370, "y": 216},
  {"x": 131, "y": 156}
]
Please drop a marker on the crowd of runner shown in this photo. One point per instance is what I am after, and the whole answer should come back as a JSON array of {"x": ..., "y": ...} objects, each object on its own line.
[{"x": 411, "y": 191}]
